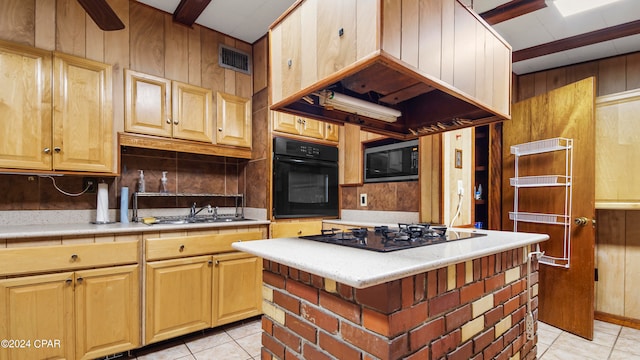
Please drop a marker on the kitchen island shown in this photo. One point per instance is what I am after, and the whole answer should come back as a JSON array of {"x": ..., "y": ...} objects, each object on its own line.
[{"x": 464, "y": 299}]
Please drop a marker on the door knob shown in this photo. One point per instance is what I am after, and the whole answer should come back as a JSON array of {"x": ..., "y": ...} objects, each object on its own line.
[{"x": 581, "y": 221}]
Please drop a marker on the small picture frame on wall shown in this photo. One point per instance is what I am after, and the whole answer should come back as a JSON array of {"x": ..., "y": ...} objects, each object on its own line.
[{"x": 458, "y": 159}]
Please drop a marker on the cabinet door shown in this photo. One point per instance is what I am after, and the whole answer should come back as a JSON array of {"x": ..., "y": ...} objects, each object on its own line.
[
  {"x": 331, "y": 131},
  {"x": 192, "y": 113},
  {"x": 336, "y": 34},
  {"x": 237, "y": 284},
  {"x": 285, "y": 123},
  {"x": 311, "y": 128},
  {"x": 83, "y": 115},
  {"x": 38, "y": 307},
  {"x": 233, "y": 120},
  {"x": 147, "y": 104},
  {"x": 107, "y": 311},
  {"x": 286, "y": 68},
  {"x": 25, "y": 107},
  {"x": 178, "y": 297}
]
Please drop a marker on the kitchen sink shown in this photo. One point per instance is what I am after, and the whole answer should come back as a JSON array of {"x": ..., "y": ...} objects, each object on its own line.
[{"x": 189, "y": 220}]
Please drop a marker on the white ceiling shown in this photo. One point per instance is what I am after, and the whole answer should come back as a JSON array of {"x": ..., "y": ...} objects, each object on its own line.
[{"x": 248, "y": 20}]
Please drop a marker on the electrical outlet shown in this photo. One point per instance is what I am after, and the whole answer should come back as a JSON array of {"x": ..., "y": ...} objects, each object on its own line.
[
  {"x": 363, "y": 199},
  {"x": 460, "y": 187},
  {"x": 91, "y": 184}
]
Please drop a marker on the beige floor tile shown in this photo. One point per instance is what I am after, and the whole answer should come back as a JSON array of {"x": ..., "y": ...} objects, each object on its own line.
[
  {"x": 251, "y": 344},
  {"x": 542, "y": 348},
  {"x": 548, "y": 328},
  {"x": 188, "y": 357},
  {"x": 226, "y": 351},
  {"x": 629, "y": 333},
  {"x": 603, "y": 338},
  {"x": 621, "y": 355},
  {"x": 241, "y": 330},
  {"x": 560, "y": 353},
  {"x": 547, "y": 336},
  {"x": 170, "y": 351},
  {"x": 207, "y": 340},
  {"x": 606, "y": 327},
  {"x": 580, "y": 347},
  {"x": 628, "y": 345}
]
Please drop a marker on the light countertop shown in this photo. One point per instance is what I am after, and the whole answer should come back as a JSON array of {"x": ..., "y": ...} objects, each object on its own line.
[
  {"x": 50, "y": 230},
  {"x": 363, "y": 268}
]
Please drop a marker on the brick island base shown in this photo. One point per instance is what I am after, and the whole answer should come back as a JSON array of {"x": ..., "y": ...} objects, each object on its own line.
[{"x": 471, "y": 310}]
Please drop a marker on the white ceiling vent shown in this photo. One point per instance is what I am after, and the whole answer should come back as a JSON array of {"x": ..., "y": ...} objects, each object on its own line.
[{"x": 234, "y": 59}]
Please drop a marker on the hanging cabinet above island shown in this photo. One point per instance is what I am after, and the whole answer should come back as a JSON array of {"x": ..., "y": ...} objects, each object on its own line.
[{"x": 435, "y": 61}]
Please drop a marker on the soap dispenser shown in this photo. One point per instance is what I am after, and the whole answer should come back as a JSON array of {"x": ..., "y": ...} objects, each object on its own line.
[
  {"x": 163, "y": 183},
  {"x": 141, "y": 186}
]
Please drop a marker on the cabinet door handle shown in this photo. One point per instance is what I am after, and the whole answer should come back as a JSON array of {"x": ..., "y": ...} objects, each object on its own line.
[
  {"x": 46, "y": 150},
  {"x": 289, "y": 63},
  {"x": 68, "y": 281},
  {"x": 74, "y": 257},
  {"x": 181, "y": 249},
  {"x": 56, "y": 149},
  {"x": 299, "y": 232},
  {"x": 210, "y": 262},
  {"x": 216, "y": 262},
  {"x": 79, "y": 280},
  {"x": 168, "y": 121},
  {"x": 175, "y": 122},
  {"x": 219, "y": 129}
]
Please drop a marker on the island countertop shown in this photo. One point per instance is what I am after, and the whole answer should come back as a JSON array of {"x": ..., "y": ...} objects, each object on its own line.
[{"x": 364, "y": 268}]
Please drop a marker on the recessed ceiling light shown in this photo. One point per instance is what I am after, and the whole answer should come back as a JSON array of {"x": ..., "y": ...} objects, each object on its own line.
[{"x": 571, "y": 7}]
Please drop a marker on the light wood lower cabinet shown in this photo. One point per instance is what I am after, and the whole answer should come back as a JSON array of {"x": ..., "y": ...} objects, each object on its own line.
[
  {"x": 295, "y": 228},
  {"x": 85, "y": 314},
  {"x": 178, "y": 297},
  {"x": 237, "y": 284},
  {"x": 37, "y": 307},
  {"x": 195, "y": 282}
]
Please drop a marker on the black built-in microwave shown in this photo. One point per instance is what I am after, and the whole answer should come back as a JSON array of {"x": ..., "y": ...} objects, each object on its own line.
[{"x": 391, "y": 162}]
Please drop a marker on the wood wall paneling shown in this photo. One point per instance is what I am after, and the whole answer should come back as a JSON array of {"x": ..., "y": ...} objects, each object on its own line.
[
  {"x": 45, "y": 32},
  {"x": 633, "y": 71},
  {"x": 632, "y": 265},
  {"x": 410, "y": 32},
  {"x": 260, "y": 64},
  {"x": 18, "y": 21},
  {"x": 176, "y": 50},
  {"x": 610, "y": 261},
  {"x": 195, "y": 55},
  {"x": 146, "y": 36},
  {"x": 612, "y": 79},
  {"x": 71, "y": 28},
  {"x": 392, "y": 20},
  {"x": 430, "y": 37},
  {"x": 116, "y": 44}
]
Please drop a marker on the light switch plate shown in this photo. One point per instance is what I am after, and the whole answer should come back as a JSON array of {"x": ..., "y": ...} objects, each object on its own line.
[{"x": 363, "y": 199}]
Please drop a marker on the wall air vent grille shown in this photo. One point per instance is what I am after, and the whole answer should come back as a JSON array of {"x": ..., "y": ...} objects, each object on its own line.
[{"x": 234, "y": 59}]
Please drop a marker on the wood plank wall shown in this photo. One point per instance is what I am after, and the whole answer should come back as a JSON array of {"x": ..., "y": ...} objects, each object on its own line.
[
  {"x": 613, "y": 75},
  {"x": 151, "y": 43}
]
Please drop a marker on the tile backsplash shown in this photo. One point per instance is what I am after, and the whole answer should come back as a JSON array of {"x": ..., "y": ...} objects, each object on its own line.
[{"x": 186, "y": 173}]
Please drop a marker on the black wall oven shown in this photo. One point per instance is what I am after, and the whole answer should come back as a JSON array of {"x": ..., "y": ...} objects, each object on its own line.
[{"x": 305, "y": 179}]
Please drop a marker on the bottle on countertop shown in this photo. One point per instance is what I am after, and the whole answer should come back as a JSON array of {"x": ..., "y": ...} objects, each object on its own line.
[
  {"x": 141, "y": 185},
  {"x": 163, "y": 183}
]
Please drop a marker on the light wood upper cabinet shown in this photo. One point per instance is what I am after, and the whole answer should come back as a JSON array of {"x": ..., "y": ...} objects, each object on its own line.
[
  {"x": 59, "y": 123},
  {"x": 147, "y": 104},
  {"x": 297, "y": 125},
  {"x": 237, "y": 281},
  {"x": 25, "y": 107},
  {"x": 38, "y": 307},
  {"x": 83, "y": 115},
  {"x": 233, "y": 120},
  {"x": 161, "y": 107}
]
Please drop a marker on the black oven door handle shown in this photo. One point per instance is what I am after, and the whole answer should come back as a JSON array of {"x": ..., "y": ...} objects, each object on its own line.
[{"x": 307, "y": 162}]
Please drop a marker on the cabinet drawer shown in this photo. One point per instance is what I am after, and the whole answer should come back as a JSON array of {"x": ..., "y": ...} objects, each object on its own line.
[
  {"x": 183, "y": 246},
  {"x": 63, "y": 257},
  {"x": 295, "y": 229}
]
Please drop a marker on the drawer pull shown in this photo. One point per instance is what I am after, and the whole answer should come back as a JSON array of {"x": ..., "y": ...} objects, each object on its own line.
[
  {"x": 299, "y": 232},
  {"x": 74, "y": 257},
  {"x": 181, "y": 249}
]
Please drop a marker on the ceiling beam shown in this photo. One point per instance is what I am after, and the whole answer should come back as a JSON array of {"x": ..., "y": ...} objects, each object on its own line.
[
  {"x": 511, "y": 10},
  {"x": 590, "y": 38},
  {"x": 189, "y": 10},
  {"x": 102, "y": 14}
]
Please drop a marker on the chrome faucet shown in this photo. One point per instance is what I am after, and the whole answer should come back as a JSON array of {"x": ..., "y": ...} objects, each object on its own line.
[{"x": 193, "y": 212}]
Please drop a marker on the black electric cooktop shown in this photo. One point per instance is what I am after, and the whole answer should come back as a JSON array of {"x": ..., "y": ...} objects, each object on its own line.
[{"x": 385, "y": 239}]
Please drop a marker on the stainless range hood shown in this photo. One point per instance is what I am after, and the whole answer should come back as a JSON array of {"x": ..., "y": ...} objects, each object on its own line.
[{"x": 460, "y": 77}]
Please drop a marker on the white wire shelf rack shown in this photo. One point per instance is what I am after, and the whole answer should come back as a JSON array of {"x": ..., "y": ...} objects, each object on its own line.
[
  {"x": 538, "y": 218},
  {"x": 541, "y": 146},
  {"x": 541, "y": 181}
]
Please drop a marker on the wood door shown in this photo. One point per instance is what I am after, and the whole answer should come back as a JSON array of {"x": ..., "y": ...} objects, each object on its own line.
[
  {"x": 38, "y": 307},
  {"x": 233, "y": 120},
  {"x": 147, "y": 104},
  {"x": 178, "y": 297},
  {"x": 83, "y": 115},
  {"x": 566, "y": 296},
  {"x": 192, "y": 112},
  {"x": 25, "y": 107},
  {"x": 107, "y": 311},
  {"x": 237, "y": 287}
]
